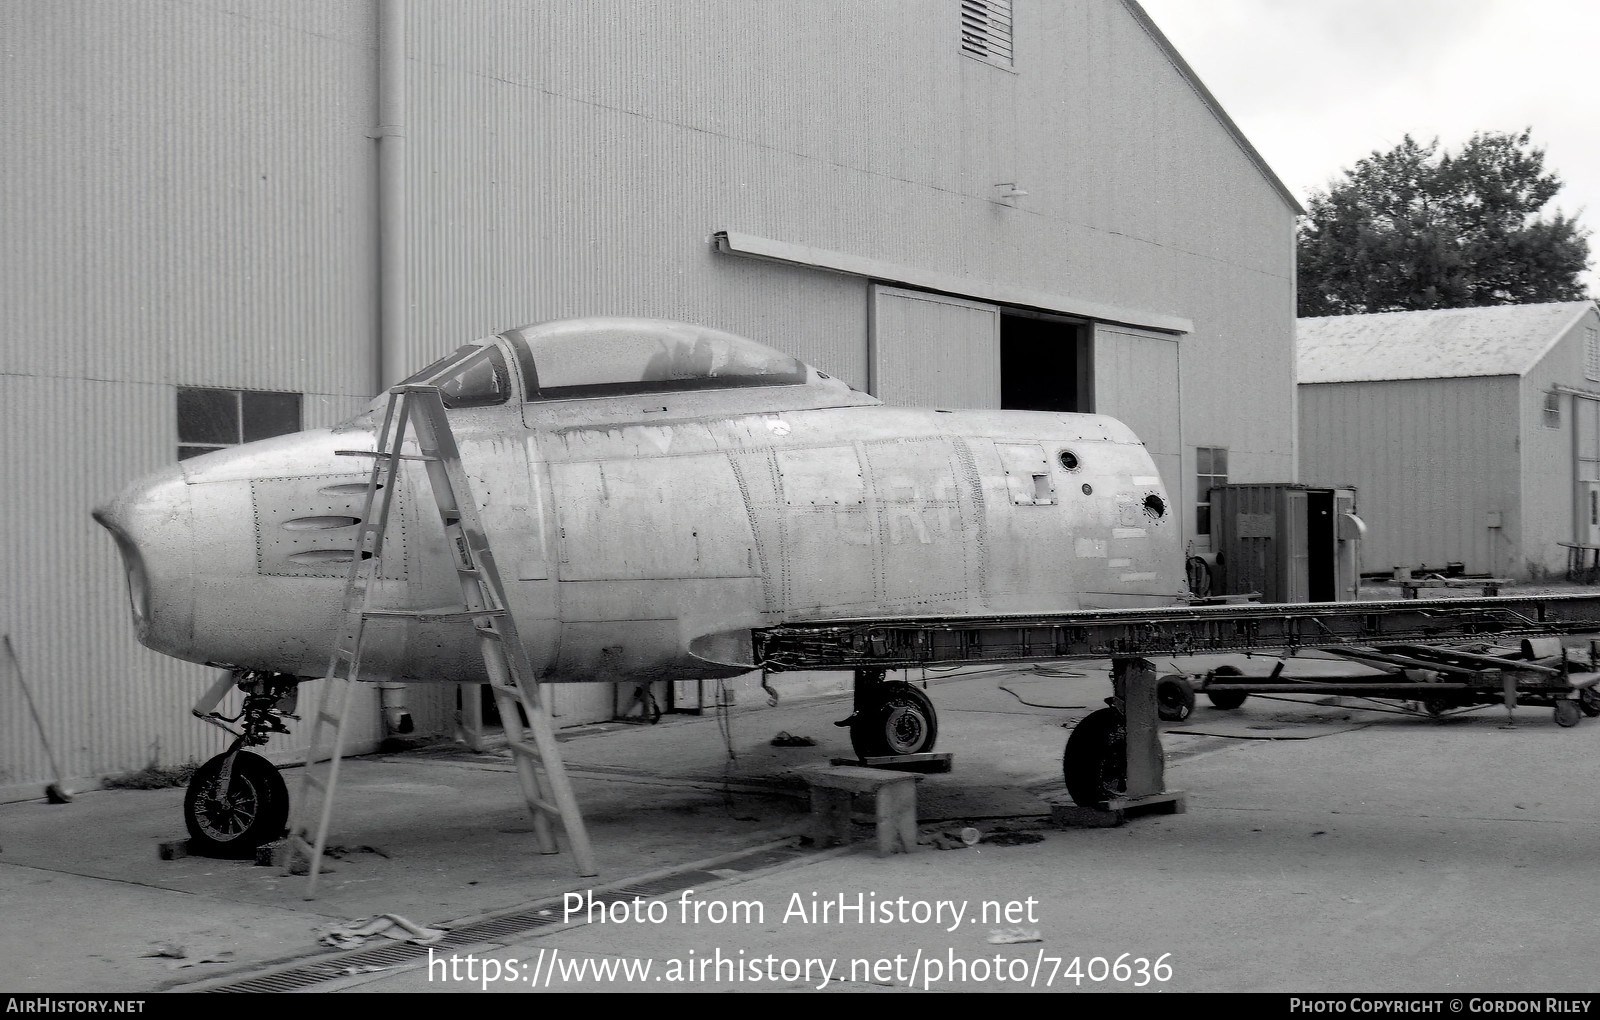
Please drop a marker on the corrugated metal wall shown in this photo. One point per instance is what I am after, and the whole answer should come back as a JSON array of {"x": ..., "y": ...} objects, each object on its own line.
[
  {"x": 190, "y": 200},
  {"x": 570, "y": 160},
  {"x": 1429, "y": 459},
  {"x": 1549, "y": 469},
  {"x": 187, "y": 201}
]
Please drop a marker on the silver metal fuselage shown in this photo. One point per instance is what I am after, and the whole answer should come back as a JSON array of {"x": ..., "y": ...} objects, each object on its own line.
[{"x": 643, "y": 537}]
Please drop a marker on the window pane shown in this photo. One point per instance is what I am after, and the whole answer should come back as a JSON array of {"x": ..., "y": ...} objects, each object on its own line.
[
  {"x": 481, "y": 382},
  {"x": 1204, "y": 455},
  {"x": 615, "y": 362},
  {"x": 1219, "y": 461},
  {"x": 208, "y": 416},
  {"x": 185, "y": 452},
  {"x": 270, "y": 414},
  {"x": 1202, "y": 520}
]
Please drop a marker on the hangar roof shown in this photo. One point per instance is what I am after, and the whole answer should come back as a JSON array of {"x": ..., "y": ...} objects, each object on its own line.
[
  {"x": 1148, "y": 24},
  {"x": 1439, "y": 343}
]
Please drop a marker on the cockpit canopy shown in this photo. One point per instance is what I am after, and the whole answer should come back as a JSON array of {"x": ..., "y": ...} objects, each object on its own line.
[{"x": 611, "y": 357}]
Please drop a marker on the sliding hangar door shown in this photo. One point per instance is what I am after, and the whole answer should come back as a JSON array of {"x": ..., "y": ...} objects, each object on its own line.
[{"x": 934, "y": 350}]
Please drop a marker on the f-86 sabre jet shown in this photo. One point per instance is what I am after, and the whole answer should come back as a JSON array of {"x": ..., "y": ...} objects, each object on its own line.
[{"x": 654, "y": 492}]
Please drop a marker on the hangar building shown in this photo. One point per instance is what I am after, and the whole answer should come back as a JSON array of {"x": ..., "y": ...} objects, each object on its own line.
[{"x": 229, "y": 218}]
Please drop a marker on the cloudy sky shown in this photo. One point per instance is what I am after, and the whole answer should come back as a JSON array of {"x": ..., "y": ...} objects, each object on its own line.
[{"x": 1318, "y": 84}]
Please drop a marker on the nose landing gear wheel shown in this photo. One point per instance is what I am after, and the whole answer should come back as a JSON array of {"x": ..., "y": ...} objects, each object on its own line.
[
  {"x": 1095, "y": 763},
  {"x": 900, "y": 720},
  {"x": 232, "y": 822}
]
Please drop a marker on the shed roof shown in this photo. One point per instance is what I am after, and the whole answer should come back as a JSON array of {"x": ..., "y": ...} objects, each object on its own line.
[{"x": 1439, "y": 343}]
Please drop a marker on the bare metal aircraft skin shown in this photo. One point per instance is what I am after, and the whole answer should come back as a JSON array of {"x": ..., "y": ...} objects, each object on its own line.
[{"x": 652, "y": 491}]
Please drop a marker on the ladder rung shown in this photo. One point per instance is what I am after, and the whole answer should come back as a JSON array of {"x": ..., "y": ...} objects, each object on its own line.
[
  {"x": 523, "y": 747},
  {"x": 544, "y": 807},
  {"x": 443, "y": 613},
  {"x": 314, "y": 780},
  {"x": 328, "y": 717},
  {"x": 384, "y": 454}
]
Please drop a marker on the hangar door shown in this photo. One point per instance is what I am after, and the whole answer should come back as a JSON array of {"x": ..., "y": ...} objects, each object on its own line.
[
  {"x": 930, "y": 350},
  {"x": 1136, "y": 382}
]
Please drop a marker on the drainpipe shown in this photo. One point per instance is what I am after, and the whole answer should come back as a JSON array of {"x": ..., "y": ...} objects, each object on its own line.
[{"x": 392, "y": 296}]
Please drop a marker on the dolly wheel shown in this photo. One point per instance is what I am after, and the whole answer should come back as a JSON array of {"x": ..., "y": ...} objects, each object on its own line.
[
  {"x": 1095, "y": 762},
  {"x": 1174, "y": 698},
  {"x": 900, "y": 720},
  {"x": 1567, "y": 712},
  {"x": 1227, "y": 700},
  {"x": 1589, "y": 702},
  {"x": 252, "y": 810}
]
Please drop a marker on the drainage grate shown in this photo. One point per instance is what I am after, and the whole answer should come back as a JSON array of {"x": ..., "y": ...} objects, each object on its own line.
[{"x": 543, "y": 914}]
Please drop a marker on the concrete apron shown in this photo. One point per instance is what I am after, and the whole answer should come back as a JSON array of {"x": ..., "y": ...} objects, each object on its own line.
[{"x": 440, "y": 839}]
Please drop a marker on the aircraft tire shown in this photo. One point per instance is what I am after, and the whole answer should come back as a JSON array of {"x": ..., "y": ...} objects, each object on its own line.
[
  {"x": 1567, "y": 712},
  {"x": 1095, "y": 763},
  {"x": 1589, "y": 702},
  {"x": 1227, "y": 700},
  {"x": 254, "y": 810},
  {"x": 1174, "y": 698},
  {"x": 900, "y": 721}
]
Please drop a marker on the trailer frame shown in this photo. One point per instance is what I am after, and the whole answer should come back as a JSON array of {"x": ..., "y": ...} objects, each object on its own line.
[{"x": 1438, "y": 652}]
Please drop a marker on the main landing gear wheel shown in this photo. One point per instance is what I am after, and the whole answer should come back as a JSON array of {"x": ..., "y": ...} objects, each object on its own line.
[
  {"x": 232, "y": 822},
  {"x": 1227, "y": 700},
  {"x": 1174, "y": 698},
  {"x": 900, "y": 720},
  {"x": 1095, "y": 763}
]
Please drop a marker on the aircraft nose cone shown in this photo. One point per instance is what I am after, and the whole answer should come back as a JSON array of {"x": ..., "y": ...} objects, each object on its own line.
[{"x": 151, "y": 523}]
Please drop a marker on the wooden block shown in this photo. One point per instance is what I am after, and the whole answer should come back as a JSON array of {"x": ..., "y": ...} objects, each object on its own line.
[
  {"x": 173, "y": 849},
  {"x": 897, "y": 819},
  {"x": 833, "y": 792},
  {"x": 830, "y": 816},
  {"x": 1078, "y": 816},
  {"x": 1119, "y": 810},
  {"x": 855, "y": 779}
]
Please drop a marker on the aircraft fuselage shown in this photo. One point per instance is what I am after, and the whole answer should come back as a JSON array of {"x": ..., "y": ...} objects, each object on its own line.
[{"x": 643, "y": 536}]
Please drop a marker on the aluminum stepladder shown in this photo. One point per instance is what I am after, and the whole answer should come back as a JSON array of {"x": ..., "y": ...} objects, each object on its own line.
[{"x": 483, "y": 607}]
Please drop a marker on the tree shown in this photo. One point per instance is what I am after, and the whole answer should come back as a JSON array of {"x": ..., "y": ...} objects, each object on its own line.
[{"x": 1412, "y": 228}]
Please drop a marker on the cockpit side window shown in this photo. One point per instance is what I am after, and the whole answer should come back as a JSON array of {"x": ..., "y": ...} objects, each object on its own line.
[
  {"x": 612, "y": 363},
  {"x": 479, "y": 381}
]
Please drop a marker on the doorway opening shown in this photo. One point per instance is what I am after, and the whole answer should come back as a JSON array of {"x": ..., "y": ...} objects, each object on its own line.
[{"x": 1046, "y": 364}]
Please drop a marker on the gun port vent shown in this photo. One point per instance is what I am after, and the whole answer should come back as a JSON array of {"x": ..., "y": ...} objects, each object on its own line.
[{"x": 321, "y": 523}]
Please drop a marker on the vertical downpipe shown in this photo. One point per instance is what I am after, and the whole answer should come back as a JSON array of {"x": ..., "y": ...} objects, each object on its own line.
[{"x": 392, "y": 297}]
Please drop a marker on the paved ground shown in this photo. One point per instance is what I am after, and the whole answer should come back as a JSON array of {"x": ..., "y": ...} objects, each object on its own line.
[{"x": 1325, "y": 847}]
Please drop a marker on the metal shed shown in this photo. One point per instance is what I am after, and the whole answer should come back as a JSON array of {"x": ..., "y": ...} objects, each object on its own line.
[
  {"x": 1287, "y": 542},
  {"x": 1472, "y": 434}
]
